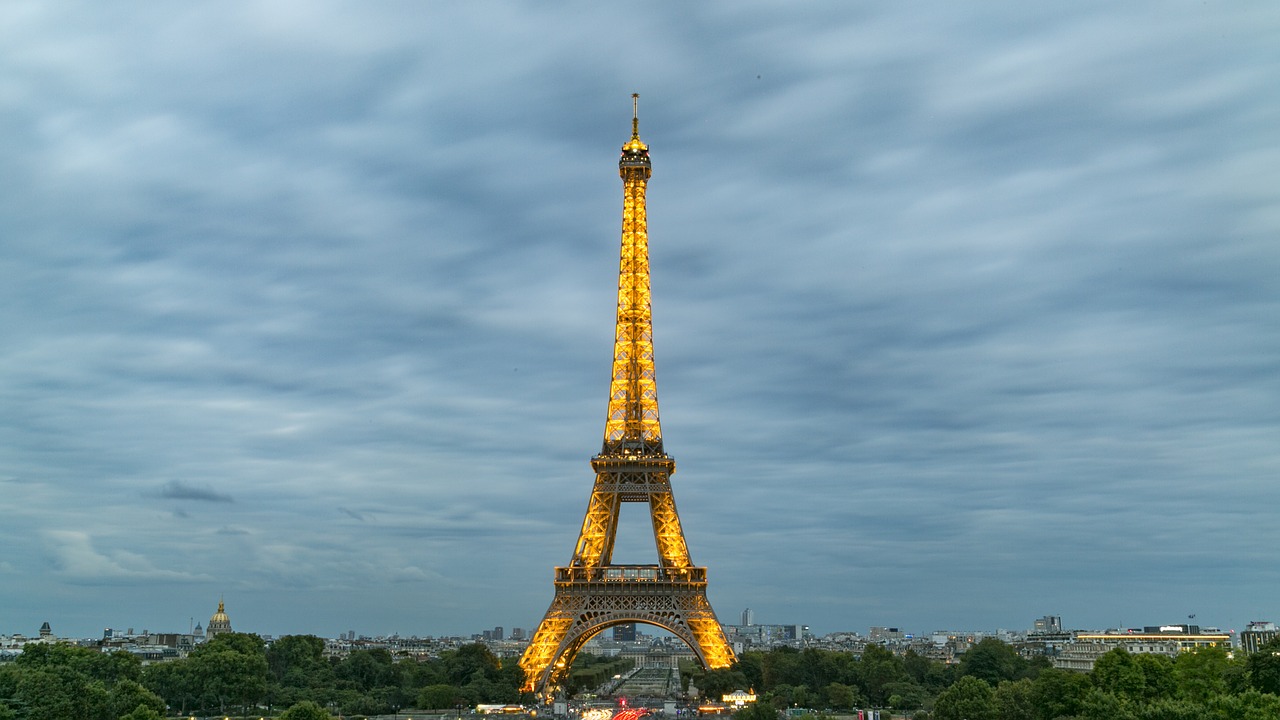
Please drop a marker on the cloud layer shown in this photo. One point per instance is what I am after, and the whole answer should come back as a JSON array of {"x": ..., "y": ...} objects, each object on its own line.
[{"x": 963, "y": 315}]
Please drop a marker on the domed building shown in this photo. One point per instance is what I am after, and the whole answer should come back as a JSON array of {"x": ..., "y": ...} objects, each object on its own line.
[{"x": 219, "y": 623}]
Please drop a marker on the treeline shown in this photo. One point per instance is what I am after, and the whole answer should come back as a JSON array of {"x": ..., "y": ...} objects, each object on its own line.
[
  {"x": 992, "y": 682},
  {"x": 590, "y": 672},
  {"x": 236, "y": 673},
  {"x": 239, "y": 674}
]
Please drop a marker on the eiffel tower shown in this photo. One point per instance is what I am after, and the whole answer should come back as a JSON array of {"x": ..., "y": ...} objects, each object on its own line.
[{"x": 593, "y": 593}]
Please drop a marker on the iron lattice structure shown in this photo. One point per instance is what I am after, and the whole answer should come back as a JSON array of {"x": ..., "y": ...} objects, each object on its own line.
[{"x": 592, "y": 593}]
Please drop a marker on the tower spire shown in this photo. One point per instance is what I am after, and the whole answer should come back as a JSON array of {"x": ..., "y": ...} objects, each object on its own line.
[{"x": 632, "y": 425}]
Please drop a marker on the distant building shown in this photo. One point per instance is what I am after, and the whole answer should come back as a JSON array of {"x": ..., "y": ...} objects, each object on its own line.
[
  {"x": 626, "y": 632},
  {"x": 1048, "y": 625},
  {"x": 885, "y": 634},
  {"x": 219, "y": 623},
  {"x": 46, "y": 632},
  {"x": 1167, "y": 640},
  {"x": 748, "y": 618},
  {"x": 1257, "y": 635}
]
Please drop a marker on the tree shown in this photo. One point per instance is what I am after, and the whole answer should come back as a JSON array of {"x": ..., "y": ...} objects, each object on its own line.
[
  {"x": 751, "y": 665},
  {"x": 757, "y": 711},
  {"x": 782, "y": 667},
  {"x": 1167, "y": 710},
  {"x": 438, "y": 697},
  {"x": 369, "y": 669},
  {"x": 462, "y": 664},
  {"x": 232, "y": 669},
  {"x": 1248, "y": 705},
  {"x": 57, "y": 692},
  {"x": 716, "y": 683},
  {"x": 1118, "y": 673},
  {"x": 1158, "y": 680},
  {"x": 129, "y": 698},
  {"x": 1013, "y": 700},
  {"x": 243, "y": 643},
  {"x": 925, "y": 672},
  {"x": 968, "y": 699},
  {"x": 174, "y": 682},
  {"x": 1264, "y": 668},
  {"x": 878, "y": 669},
  {"x": 305, "y": 710},
  {"x": 905, "y": 695},
  {"x": 993, "y": 661},
  {"x": 840, "y": 697},
  {"x": 1058, "y": 693},
  {"x": 143, "y": 712},
  {"x": 295, "y": 653},
  {"x": 1101, "y": 705}
]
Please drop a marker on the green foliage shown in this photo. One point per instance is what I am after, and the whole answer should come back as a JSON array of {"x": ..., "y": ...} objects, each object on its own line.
[
  {"x": 230, "y": 670},
  {"x": 299, "y": 655},
  {"x": 715, "y": 683},
  {"x": 173, "y": 681},
  {"x": 364, "y": 670},
  {"x": 757, "y": 711},
  {"x": 52, "y": 682},
  {"x": 143, "y": 712},
  {"x": 1264, "y": 668},
  {"x": 1117, "y": 672},
  {"x": 129, "y": 697},
  {"x": 841, "y": 697},
  {"x": 968, "y": 699},
  {"x": 90, "y": 663},
  {"x": 993, "y": 661},
  {"x": 1058, "y": 693},
  {"x": 589, "y": 672},
  {"x": 933, "y": 676},
  {"x": 1166, "y": 709},
  {"x": 242, "y": 643},
  {"x": 1158, "y": 680},
  {"x": 905, "y": 696},
  {"x": 1013, "y": 700},
  {"x": 234, "y": 674},
  {"x": 439, "y": 697},
  {"x": 1248, "y": 705},
  {"x": 878, "y": 670},
  {"x": 751, "y": 665},
  {"x": 305, "y": 710},
  {"x": 1100, "y": 705},
  {"x": 782, "y": 667}
]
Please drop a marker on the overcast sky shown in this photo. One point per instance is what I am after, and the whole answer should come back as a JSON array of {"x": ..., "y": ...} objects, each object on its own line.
[{"x": 965, "y": 313}]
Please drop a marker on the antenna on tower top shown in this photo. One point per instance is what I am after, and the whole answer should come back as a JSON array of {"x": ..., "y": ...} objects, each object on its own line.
[{"x": 635, "y": 114}]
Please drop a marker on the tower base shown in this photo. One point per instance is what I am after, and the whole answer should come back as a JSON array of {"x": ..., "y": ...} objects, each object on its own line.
[{"x": 589, "y": 600}]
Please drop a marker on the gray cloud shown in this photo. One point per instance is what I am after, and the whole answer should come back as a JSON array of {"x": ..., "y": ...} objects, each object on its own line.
[
  {"x": 178, "y": 490},
  {"x": 979, "y": 299}
]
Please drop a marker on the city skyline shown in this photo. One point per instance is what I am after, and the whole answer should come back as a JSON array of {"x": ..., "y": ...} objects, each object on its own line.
[
  {"x": 515, "y": 633},
  {"x": 961, "y": 314}
]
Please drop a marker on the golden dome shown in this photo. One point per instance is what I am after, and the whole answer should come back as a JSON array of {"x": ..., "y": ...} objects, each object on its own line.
[{"x": 219, "y": 623}]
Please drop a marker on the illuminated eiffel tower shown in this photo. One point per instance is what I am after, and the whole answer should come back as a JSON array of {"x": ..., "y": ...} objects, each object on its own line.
[{"x": 592, "y": 593}]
